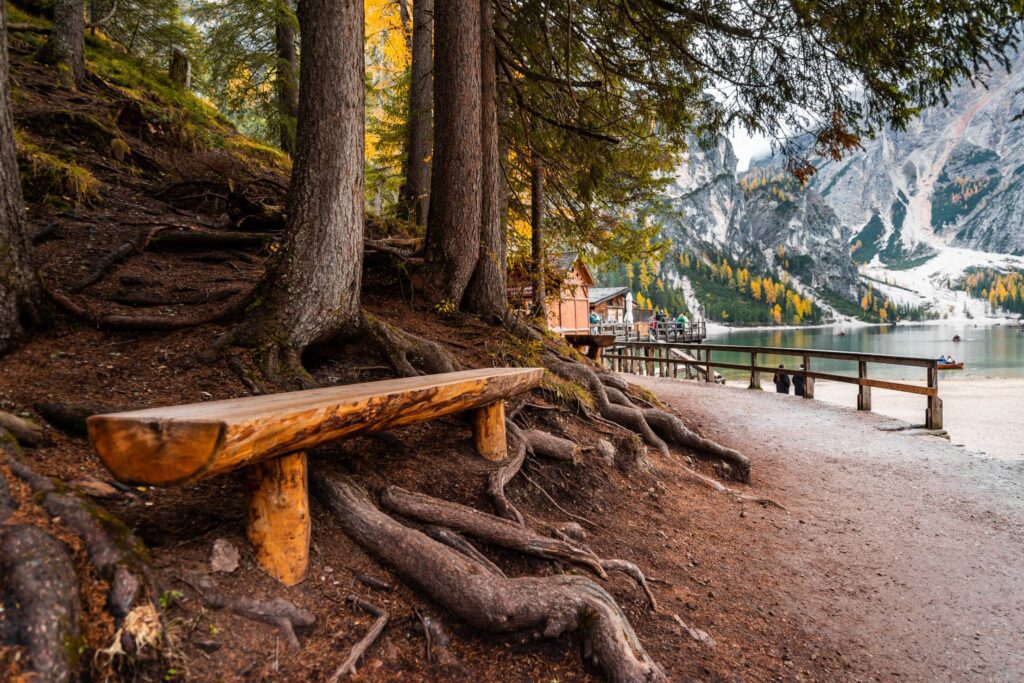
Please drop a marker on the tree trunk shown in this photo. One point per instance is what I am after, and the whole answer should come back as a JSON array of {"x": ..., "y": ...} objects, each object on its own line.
[
  {"x": 312, "y": 292},
  {"x": 416, "y": 189},
  {"x": 537, "y": 238},
  {"x": 486, "y": 294},
  {"x": 180, "y": 71},
  {"x": 19, "y": 287},
  {"x": 287, "y": 83},
  {"x": 66, "y": 45},
  {"x": 453, "y": 241}
]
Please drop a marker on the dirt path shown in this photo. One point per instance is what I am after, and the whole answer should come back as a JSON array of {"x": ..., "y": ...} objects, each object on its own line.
[{"x": 903, "y": 550}]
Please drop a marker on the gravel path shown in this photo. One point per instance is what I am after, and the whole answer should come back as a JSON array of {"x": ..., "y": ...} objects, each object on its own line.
[{"x": 905, "y": 550}]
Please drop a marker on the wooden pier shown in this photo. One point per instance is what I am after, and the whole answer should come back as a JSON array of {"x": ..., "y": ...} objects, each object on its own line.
[
  {"x": 666, "y": 359},
  {"x": 669, "y": 331}
]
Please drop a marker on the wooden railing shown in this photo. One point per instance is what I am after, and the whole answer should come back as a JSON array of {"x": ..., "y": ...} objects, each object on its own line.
[
  {"x": 667, "y": 331},
  {"x": 656, "y": 358}
]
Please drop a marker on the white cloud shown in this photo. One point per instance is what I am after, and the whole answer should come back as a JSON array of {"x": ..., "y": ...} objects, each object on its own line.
[{"x": 748, "y": 147}]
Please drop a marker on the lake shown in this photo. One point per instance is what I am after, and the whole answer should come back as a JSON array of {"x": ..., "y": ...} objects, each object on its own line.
[{"x": 987, "y": 351}]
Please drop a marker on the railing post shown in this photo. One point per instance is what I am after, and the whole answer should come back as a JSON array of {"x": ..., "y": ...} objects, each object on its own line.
[
  {"x": 808, "y": 381},
  {"x": 864, "y": 395},
  {"x": 709, "y": 375},
  {"x": 933, "y": 415},
  {"x": 755, "y": 376},
  {"x": 649, "y": 363}
]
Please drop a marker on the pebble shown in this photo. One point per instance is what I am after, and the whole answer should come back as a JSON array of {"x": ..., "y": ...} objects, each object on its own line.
[{"x": 224, "y": 557}]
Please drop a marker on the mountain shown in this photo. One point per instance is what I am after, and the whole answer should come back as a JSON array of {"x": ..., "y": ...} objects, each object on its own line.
[
  {"x": 774, "y": 226},
  {"x": 955, "y": 177}
]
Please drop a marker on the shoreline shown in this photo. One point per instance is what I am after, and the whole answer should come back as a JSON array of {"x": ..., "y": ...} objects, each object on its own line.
[
  {"x": 717, "y": 328},
  {"x": 980, "y": 414}
]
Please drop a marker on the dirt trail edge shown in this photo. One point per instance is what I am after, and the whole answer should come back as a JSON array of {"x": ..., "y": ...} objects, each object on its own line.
[{"x": 903, "y": 550}]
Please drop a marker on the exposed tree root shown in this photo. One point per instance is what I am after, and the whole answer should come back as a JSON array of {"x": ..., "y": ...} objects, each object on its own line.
[
  {"x": 283, "y": 614},
  {"x": 559, "y": 507},
  {"x": 25, "y": 432},
  {"x": 657, "y": 427},
  {"x": 460, "y": 543},
  {"x": 40, "y": 589},
  {"x": 741, "y": 497},
  {"x": 549, "y": 606},
  {"x": 408, "y": 354},
  {"x": 501, "y": 476},
  {"x": 142, "y": 299},
  {"x": 672, "y": 429},
  {"x": 151, "y": 323},
  {"x": 113, "y": 550},
  {"x": 551, "y": 446},
  {"x": 359, "y": 649},
  {"x": 71, "y": 417},
  {"x": 488, "y": 528},
  {"x": 633, "y": 571}
]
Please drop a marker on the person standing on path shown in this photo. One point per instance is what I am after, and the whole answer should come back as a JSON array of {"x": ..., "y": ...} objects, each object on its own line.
[
  {"x": 781, "y": 380},
  {"x": 799, "y": 382}
]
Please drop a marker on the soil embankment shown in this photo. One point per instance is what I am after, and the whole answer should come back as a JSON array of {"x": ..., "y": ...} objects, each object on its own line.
[{"x": 904, "y": 550}]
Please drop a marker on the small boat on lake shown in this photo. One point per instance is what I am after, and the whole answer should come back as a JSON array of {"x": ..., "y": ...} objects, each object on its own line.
[
  {"x": 950, "y": 366},
  {"x": 956, "y": 337}
]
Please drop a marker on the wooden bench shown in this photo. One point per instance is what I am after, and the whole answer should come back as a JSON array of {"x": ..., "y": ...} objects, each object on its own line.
[{"x": 269, "y": 435}]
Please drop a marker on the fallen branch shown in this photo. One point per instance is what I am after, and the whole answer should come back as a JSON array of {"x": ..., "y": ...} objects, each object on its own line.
[
  {"x": 103, "y": 266},
  {"x": 550, "y": 446},
  {"x": 550, "y": 605},
  {"x": 349, "y": 665}
]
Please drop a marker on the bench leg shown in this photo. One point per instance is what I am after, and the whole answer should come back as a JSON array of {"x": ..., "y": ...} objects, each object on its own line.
[
  {"x": 489, "y": 431},
  {"x": 279, "y": 517}
]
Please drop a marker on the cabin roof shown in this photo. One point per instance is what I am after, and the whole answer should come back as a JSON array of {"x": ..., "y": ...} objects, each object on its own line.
[
  {"x": 598, "y": 295},
  {"x": 565, "y": 262}
]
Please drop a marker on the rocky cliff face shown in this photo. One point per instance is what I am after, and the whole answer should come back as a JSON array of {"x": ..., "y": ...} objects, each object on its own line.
[
  {"x": 954, "y": 178},
  {"x": 770, "y": 225}
]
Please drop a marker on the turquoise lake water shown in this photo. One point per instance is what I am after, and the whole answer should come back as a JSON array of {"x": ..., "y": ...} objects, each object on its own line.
[{"x": 987, "y": 351}]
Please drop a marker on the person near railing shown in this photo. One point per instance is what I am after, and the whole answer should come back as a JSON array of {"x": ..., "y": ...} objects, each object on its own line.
[
  {"x": 781, "y": 380},
  {"x": 799, "y": 382}
]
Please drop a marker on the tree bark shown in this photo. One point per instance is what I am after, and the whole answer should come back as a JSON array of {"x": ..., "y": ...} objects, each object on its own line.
[
  {"x": 287, "y": 82},
  {"x": 453, "y": 239},
  {"x": 416, "y": 189},
  {"x": 537, "y": 239},
  {"x": 312, "y": 292},
  {"x": 66, "y": 45},
  {"x": 486, "y": 294},
  {"x": 19, "y": 286}
]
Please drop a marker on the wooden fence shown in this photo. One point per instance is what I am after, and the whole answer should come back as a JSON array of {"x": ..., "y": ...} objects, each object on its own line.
[
  {"x": 667, "y": 331},
  {"x": 656, "y": 358}
]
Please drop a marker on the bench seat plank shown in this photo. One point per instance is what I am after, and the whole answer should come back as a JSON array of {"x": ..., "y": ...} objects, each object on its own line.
[{"x": 182, "y": 444}]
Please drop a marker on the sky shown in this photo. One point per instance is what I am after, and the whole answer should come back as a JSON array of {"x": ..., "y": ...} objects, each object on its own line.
[{"x": 748, "y": 147}]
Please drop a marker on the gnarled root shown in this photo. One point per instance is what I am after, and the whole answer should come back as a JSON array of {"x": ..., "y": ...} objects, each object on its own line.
[
  {"x": 501, "y": 476},
  {"x": 115, "y": 552},
  {"x": 41, "y": 590},
  {"x": 657, "y": 427},
  {"x": 741, "y": 497},
  {"x": 625, "y": 416},
  {"x": 489, "y": 528},
  {"x": 550, "y": 446},
  {"x": 408, "y": 354},
  {"x": 672, "y": 429},
  {"x": 633, "y": 571},
  {"x": 459, "y": 542},
  {"x": 549, "y": 606}
]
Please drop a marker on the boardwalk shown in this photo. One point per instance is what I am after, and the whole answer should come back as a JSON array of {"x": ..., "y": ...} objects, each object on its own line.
[{"x": 903, "y": 550}]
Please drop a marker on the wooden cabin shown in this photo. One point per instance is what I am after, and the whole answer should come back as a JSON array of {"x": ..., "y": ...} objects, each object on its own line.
[
  {"x": 609, "y": 303},
  {"x": 568, "y": 285}
]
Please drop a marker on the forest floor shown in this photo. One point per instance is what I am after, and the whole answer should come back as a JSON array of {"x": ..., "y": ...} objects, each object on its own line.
[{"x": 902, "y": 549}]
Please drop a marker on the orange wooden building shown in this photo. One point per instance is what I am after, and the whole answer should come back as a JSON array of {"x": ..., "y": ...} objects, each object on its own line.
[{"x": 569, "y": 282}]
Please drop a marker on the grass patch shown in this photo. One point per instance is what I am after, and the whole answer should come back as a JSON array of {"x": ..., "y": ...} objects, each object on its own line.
[{"x": 48, "y": 178}]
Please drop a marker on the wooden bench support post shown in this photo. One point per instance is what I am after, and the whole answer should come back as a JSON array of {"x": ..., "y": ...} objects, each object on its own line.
[
  {"x": 489, "y": 431},
  {"x": 279, "y": 516},
  {"x": 864, "y": 395}
]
